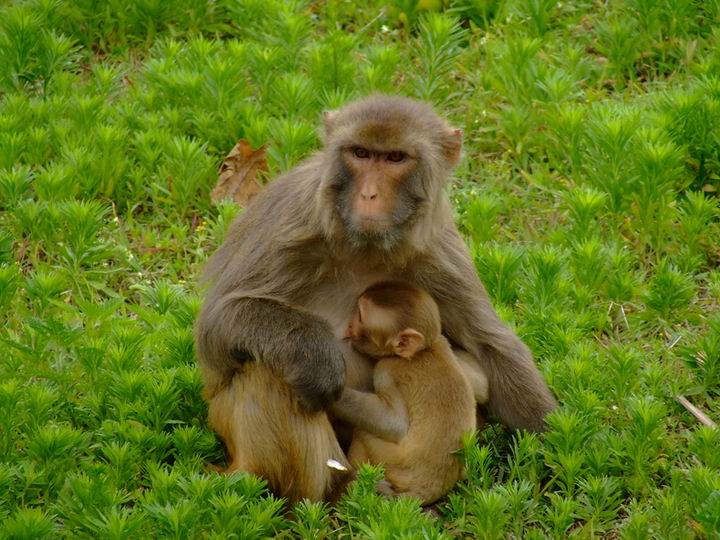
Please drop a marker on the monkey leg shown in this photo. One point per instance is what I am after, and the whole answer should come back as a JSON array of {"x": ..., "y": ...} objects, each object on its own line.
[
  {"x": 474, "y": 374},
  {"x": 267, "y": 434},
  {"x": 478, "y": 382},
  {"x": 384, "y": 487},
  {"x": 358, "y": 452}
]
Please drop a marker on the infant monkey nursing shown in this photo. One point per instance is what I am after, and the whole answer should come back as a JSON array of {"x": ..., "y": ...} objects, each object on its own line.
[{"x": 423, "y": 402}]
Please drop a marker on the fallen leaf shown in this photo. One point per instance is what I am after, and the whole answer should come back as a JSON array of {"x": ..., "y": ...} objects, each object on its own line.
[{"x": 238, "y": 174}]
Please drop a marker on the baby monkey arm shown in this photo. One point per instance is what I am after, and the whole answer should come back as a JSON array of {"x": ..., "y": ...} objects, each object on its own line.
[{"x": 382, "y": 414}]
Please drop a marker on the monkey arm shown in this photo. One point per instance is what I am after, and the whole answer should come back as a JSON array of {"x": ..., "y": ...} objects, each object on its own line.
[
  {"x": 519, "y": 395},
  {"x": 383, "y": 418},
  {"x": 267, "y": 266},
  {"x": 294, "y": 343}
]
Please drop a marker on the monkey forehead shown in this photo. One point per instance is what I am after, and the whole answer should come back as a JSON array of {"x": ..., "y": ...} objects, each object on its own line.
[
  {"x": 379, "y": 319},
  {"x": 390, "y": 108},
  {"x": 384, "y": 135},
  {"x": 388, "y": 122}
]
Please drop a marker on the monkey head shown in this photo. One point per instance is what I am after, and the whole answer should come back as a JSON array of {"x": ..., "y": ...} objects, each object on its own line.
[
  {"x": 393, "y": 319},
  {"x": 387, "y": 159}
]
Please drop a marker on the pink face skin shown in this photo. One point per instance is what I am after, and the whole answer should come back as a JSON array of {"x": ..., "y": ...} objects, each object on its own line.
[{"x": 377, "y": 177}]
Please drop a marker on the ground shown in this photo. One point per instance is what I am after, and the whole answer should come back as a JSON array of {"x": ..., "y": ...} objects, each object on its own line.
[{"x": 588, "y": 195}]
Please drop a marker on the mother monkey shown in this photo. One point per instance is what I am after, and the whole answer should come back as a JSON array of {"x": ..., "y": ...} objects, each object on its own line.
[{"x": 369, "y": 206}]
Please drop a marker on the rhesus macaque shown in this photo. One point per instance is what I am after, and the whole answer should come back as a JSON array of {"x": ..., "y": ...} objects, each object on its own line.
[
  {"x": 369, "y": 206},
  {"x": 422, "y": 402}
]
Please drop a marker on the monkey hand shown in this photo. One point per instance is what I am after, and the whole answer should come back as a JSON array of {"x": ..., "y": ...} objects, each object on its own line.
[{"x": 318, "y": 373}]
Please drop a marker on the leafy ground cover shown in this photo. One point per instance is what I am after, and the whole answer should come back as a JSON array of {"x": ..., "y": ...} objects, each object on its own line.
[{"x": 588, "y": 196}]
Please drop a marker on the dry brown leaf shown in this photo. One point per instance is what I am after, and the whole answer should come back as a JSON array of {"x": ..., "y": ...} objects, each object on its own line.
[{"x": 238, "y": 174}]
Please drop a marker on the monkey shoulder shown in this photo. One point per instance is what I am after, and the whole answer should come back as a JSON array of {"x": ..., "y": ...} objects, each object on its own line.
[
  {"x": 445, "y": 265},
  {"x": 275, "y": 235},
  {"x": 441, "y": 362},
  {"x": 289, "y": 197}
]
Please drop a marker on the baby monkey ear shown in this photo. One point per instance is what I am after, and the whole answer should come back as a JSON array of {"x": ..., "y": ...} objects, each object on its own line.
[{"x": 407, "y": 342}]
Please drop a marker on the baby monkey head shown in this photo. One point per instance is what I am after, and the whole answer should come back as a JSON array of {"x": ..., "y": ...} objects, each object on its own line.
[
  {"x": 388, "y": 160},
  {"x": 394, "y": 319}
]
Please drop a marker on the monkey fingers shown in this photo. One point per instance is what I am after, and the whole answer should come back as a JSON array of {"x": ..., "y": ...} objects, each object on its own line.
[{"x": 319, "y": 376}]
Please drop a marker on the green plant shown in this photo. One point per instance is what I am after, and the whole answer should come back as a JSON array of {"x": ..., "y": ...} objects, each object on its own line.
[
  {"x": 587, "y": 196},
  {"x": 670, "y": 292},
  {"x": 499, "y": 267},
  {"x": 437, "y": 49},
  {"x": 537, "y": 12},
  {"x": 617, "y": 40},
  {"x": 480, "y": 12}
]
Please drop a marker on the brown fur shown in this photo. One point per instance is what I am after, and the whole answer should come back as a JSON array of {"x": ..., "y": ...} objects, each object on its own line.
[
  {"x": 286, "y": 279},
  {"x": 440, "y": 407},
  {"x": 422, "y": 404},
  {"x": 412, "y": 307},
  {"x": 266, "y": 433}
]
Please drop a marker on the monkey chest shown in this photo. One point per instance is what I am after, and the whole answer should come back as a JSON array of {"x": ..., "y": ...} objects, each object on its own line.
[{"x": 335, "y": 297}]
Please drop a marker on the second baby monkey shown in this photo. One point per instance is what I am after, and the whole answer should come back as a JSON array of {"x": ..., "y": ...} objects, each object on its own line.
[{"x": 423, "y": 401}]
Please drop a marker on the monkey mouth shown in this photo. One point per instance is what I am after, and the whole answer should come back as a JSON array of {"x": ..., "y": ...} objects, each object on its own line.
[
  {"x": 372, "y": 224},
  {"x": 364, "y": 232},
  {"x": 385, "y": 238}
]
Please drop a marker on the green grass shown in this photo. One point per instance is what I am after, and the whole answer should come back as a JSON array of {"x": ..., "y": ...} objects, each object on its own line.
[{"x": 588, "y": 196}]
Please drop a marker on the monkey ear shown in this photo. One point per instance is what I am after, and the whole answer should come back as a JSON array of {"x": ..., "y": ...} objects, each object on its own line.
[
  {"x": 329, "y": 121},
  {"x": 407, "y": 342},
  {"x": 452, "y": 146}
]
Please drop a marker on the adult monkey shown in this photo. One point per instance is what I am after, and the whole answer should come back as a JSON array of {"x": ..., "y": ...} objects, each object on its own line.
[{"x": 368, "y": 207}]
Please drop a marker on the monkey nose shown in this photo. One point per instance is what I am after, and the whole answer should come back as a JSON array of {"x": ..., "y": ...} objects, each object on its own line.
[{"x": 369, "y": 195}]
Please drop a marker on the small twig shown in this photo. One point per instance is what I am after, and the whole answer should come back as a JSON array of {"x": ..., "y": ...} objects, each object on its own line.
[
  {"x": 697, "y": 413},
  {"x": 22, "y": 250},
  {"x": 368, "y": 25},
  {"x": 675, "y": 341},
  {"x": 622, "y": 310}
]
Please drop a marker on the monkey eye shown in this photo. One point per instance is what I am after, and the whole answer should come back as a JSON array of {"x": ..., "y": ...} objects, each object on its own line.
[
  {"x": 396, "y": 156},
  {"x": 361, "y": 153}
]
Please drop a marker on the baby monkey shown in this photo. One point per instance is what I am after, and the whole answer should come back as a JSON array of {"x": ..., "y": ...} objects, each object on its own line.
[{"x": 423, "y": 400}]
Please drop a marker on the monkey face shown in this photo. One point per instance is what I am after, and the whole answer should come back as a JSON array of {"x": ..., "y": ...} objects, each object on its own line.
[
  {"x": 387, "y": 160},
  {"x": 379, "y": 179},
  {"x": 366, "y": 329}
]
